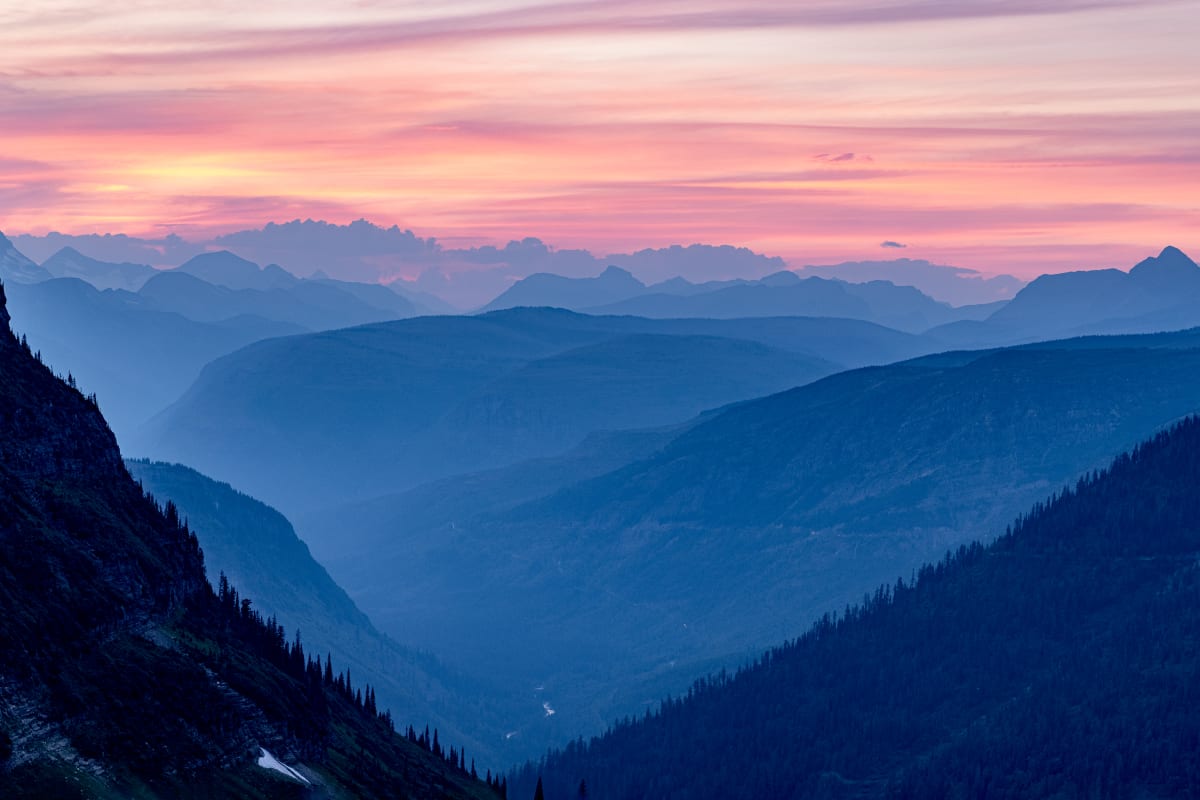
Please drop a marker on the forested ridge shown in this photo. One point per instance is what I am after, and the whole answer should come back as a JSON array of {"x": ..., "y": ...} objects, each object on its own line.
[
  {"x": 123, "y": 673},
  {"x": 1059, "y": 661}
]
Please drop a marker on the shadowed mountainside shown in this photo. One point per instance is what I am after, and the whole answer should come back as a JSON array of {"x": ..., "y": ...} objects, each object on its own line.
[
  {"x": 314, "y": 420},
  {"x": 255, "y": 547},
  {"x": 1059, "y": 661},
  {"x": 122, "y": 673},
  {"x": 752, "y": 522}
]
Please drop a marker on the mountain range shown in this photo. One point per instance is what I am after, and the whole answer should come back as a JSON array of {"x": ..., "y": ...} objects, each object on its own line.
[
  {"x": 1059, "y": 661},
  {"x": 1160, "y": 293},
  {"x": 135, "y": 359},
  {"x": 581, "y": 513},
  {"x": 616, "y": 291},
  {"x": 954, "y": 285},
  {"x": 470, "y": 277},
  {"x": 319, "y": 419},
  {"x": 743, "y": 526},
  {"x": 70, "y": 263},
  {"x": 139, "y": 350}
]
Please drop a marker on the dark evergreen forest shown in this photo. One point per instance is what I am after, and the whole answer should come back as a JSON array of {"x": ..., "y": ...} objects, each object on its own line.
[
  {"x": 1060, "y": 661},
  {"x": 123, "y": 673}
]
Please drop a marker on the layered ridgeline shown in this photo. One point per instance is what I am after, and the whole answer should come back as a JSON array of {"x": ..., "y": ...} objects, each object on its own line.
[
  {"x": 736, "y": 531},
  {"x": 308, "y": 421},
  {"x": 257, "y": 550},
  {"x": 70, "y": 263},
  {"x": 1060, "y": 661},
  {"x": 137, "y": 360},
  {"x": 138, "y": 337},
  {"x": 123, "y": 674},
  {"x": 784, "y": 293},
  {"x": 1159, "y": 293}
]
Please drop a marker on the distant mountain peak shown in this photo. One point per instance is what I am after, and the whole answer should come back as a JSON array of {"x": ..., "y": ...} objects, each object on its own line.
[
  {"x": 614, "y": 273},
  {"x": 224, "y": 256},
  {"x": 15, "y": 266},
  {"x": 68, "y": 262},
  {"x": 549, "y": 289},
  {"x": 785, "y": 277},
  {"x": 226, "y": 268},
  {"x": 1172, "y": 263}
]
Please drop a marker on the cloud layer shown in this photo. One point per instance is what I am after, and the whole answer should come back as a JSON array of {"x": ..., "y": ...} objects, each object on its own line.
[{"x": 991, "y": 130}]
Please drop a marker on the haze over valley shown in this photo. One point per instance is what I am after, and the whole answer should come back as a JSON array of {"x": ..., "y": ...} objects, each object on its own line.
[
  {"x": 599, "y": 401},
  {"x": 548, "y": 504}
]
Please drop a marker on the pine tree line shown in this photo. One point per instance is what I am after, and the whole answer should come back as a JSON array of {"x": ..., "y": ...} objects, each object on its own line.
[
  {"x": 269, "y": 638},
  {"x": 1058, "y": 661},
  {"x": 457, "y": 759}
]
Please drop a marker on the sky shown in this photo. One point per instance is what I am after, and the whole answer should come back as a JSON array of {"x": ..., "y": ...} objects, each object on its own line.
[{"x": 1019, "y": 137}]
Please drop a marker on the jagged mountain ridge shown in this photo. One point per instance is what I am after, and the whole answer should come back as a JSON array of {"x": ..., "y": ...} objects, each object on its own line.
[{"x": 616, "y": 291}]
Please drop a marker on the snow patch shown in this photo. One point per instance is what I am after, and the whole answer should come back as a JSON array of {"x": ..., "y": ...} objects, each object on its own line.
[{"x": 268, "y": 761}]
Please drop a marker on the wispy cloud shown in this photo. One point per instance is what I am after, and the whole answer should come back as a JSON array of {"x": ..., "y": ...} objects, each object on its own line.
[
  {"x": 372, "y": 29},
  {"x": 797, "y": 128}
]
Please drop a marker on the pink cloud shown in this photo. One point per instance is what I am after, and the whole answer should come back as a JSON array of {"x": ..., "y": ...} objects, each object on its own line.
[{"x": 794, "y": 127}]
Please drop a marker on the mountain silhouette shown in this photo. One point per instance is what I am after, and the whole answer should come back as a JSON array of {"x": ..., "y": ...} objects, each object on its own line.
[
  {"x": 70, "y": 263},
  {"x": 137, "y": 360},
  {"x": 786, "y": 294},
  {"x": 365, "y": 410},
  {"x": 1160, "y": 293},
  {"x": 309, "y": 305},
  {"x": 544, "y": 289},
  {"x": 224, "y": 268},
  {"x": 15, "y": 267}
]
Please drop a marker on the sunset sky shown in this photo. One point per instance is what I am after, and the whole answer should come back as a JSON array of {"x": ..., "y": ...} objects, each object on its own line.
[{"x": 1012, "y": 136}]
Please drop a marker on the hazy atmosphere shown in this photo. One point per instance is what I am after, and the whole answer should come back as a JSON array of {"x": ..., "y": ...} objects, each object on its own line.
[{"x": 483, "y": 400}]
